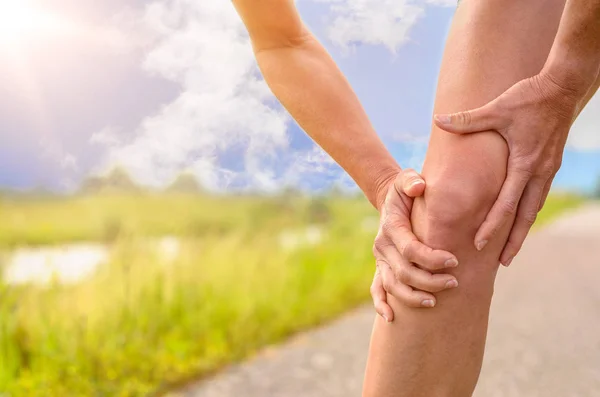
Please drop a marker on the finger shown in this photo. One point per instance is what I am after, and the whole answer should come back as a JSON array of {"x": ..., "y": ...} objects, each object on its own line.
[
  {"x": 412, "y": 250},
  {"x": 485, "y": 118},
  {"x": 403, "y": 293},
  {"x": 526, "y": 216},
  {"x": 380, "y": 297},
  {"x": 504, "y": 208},
  {"x": 411, "y": 183},
  {"x": 545, "y": 193},
  {"x": 414, "y": 277}
]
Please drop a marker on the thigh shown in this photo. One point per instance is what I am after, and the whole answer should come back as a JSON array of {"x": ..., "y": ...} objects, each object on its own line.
[{"x": 492, "y": 45}]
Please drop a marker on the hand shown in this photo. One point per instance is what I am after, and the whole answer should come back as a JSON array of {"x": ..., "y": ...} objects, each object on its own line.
[
  {"x": 404, "y": 264},
  {"x": 534, "y": 117}
]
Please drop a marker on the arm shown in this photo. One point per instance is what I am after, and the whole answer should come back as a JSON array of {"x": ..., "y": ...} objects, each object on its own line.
[
  {"x": 535, "y": 116},
  {"x": 574, "y": 60},
  {"x": 310, "y": 86}
]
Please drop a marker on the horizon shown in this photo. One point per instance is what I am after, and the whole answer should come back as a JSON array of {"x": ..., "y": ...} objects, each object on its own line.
[{"x": 88, "y": 87}]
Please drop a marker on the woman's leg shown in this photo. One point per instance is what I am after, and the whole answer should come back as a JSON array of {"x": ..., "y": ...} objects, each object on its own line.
[{"x": 438, "y": 352}]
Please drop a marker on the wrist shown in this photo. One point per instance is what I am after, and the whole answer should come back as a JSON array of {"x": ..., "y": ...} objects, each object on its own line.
[
  {"x": 573, "y": 76},
  {"x": 382, "y": 186}
]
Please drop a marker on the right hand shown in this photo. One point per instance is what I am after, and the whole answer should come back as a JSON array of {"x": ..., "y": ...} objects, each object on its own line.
[{"x": 404, "y": 264}]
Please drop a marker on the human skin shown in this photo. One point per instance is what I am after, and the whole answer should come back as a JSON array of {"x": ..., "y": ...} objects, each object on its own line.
[
  {"x": 438, "y": 352},
  {"x": 534, "y": 117},
  {"x": 310, "y": 86},
  {"x": 430, "y": 356}
]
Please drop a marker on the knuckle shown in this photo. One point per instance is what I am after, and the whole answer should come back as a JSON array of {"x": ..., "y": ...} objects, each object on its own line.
[
  {"x": 527, "y": 166},
  {"x": 387, "y": 285},
  {"x": 508, "y": 206},
  {"x": 524, "y": 166},
  {"x": 379, "y": 243},
  {"x": 407, "y": 249},
  {"x": 412, "y": 180},
  {"x": 557, "y": 164},
  {"x": 389, "y": 226},
  {"x": 404, "y": 276},
  {"x": 463, "y": 118},
  {"x": 548, "y": 169},
  {"x": 529, "y": 217},
  {"x": 375, "y": 249},
  {"x": 374, "y": 290}
]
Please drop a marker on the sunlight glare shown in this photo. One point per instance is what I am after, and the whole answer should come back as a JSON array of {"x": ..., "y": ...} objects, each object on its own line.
[{"x": 20, "y": 21}]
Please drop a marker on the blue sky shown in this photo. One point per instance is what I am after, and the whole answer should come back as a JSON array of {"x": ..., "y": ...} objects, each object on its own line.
[{"x": 128, "y": 84}]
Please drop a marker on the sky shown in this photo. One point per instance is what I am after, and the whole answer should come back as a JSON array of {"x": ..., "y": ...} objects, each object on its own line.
[{"x": 162, "y": 87}]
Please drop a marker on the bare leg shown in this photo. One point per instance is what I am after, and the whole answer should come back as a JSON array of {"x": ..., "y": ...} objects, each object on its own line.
[{"x": 438, "y": 352}]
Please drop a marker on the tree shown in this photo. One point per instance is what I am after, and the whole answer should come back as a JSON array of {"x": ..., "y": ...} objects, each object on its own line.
[
  {"x": 597, "y": 191},
  {"x": 185, "y": 182},
  {"x": 117, "y": 180}
]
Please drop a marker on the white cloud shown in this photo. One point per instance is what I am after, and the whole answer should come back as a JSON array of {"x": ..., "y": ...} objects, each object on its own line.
[
  {"x": 442, "y": 3},
  {"x": 224, "y": 109},
  {"x": 68, "y": 161},
  {"x": 203, "y": 47},
  {"x": 585, "y": 134},
  {"x": 54, "y": 151},
  {"x": 377, "y": 22},
  {"x": 108, "y": 136}
]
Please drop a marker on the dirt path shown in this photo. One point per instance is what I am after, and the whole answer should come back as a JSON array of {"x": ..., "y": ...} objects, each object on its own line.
[{"x": 544, "y": 337}]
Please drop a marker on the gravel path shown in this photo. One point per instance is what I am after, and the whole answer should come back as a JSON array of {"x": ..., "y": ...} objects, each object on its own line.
[{"x": 544, "y": 336}]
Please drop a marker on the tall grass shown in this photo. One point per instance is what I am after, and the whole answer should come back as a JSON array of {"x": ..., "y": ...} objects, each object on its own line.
[
  {"x": 140, "y": 323},
  {"x": 104, "y": 217}
]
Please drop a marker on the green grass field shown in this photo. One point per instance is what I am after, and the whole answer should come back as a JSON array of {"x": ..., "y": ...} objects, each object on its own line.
[{"x": 139, "y": 324}]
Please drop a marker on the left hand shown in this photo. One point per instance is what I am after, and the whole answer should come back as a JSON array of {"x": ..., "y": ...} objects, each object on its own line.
[
  {"x": 534, "y": 117},
  {"x": 406, "y": 268}
]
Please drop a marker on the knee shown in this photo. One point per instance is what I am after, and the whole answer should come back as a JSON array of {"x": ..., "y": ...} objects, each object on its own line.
[
  {"x": 448, "y": 217},
  {"x": 452, "y": 210}
]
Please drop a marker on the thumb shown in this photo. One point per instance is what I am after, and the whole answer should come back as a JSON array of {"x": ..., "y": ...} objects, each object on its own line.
[
  {"x": 411, "y": 183},
  {"x": 481, "y": 119}
]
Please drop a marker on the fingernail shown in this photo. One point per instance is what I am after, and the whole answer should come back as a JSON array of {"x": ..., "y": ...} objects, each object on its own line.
[
  {"x": 508, "y": 262},
  {"x": 452, "y": 284},
  {"x": 428, "y": 303},
  {"x": 417, "y": 182},
  {"x": 444, "y": 119},
  {"x": 385, "y": 318},
  {"x": 481, "y": 244},
  {"x": 451, "y": 263}
]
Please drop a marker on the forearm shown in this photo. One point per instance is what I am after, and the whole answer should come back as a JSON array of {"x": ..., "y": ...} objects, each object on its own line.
[
  {"x": 574, "y": 60},
  {"x": 311, "y": 87},
  {"x": 590, "y": 94}
]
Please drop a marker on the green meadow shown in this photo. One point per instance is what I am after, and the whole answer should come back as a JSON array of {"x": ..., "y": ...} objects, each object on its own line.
[{"x": 249, "y": 271}]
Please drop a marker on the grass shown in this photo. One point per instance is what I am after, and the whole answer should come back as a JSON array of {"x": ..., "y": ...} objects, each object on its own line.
[
  {"x": 556, "y": 205},
  {"x": 140, "y": 324},
  {"x": 105, "y": 217}
]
